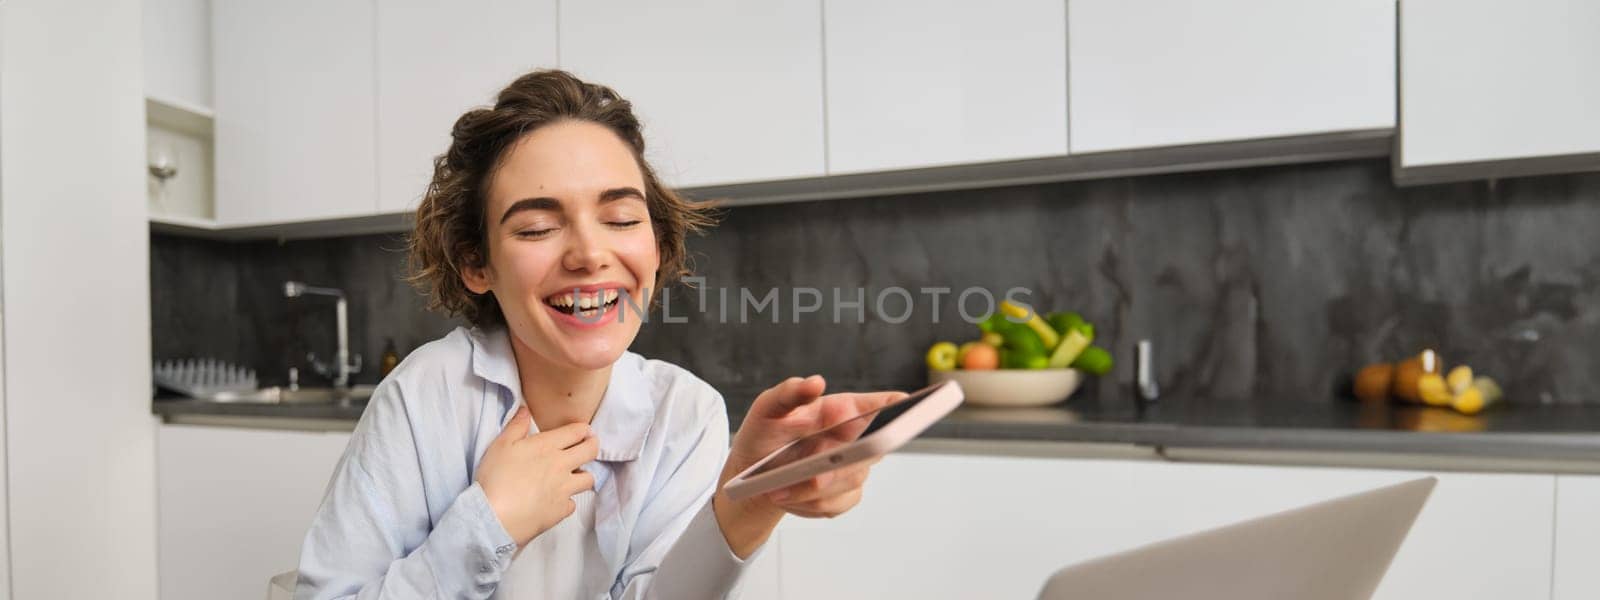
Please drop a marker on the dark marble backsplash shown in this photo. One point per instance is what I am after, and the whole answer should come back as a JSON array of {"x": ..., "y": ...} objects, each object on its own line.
[{"x": 1259, "y": 285}]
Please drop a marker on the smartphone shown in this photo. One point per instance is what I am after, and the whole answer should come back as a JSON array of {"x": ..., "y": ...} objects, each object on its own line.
[{"x": 865, "y": 437}]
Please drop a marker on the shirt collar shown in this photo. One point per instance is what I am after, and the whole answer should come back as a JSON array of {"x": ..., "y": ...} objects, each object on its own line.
[{"x": 626, "y": 410}]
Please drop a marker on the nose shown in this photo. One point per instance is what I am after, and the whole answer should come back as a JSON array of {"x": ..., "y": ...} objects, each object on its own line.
[{"x": 586, "y": 250}]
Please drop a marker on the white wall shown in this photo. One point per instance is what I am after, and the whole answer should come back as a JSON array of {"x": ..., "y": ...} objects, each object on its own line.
[
  {"x": 177, "y": 50},
  {"x": 79, "y": 434},
  {"x": 5, "y": 549}
]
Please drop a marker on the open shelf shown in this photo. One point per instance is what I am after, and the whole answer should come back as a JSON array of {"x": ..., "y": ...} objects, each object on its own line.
[{"x": 179, "y": 116}]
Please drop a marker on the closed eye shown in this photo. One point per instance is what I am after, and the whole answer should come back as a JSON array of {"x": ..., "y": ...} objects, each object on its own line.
[
  {"x": 534, "y": 233},
  {"x": 624, "y": 224}
]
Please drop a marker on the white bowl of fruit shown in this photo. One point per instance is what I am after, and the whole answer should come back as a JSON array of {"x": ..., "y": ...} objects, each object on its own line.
[{"x": 1022, "y": 359}]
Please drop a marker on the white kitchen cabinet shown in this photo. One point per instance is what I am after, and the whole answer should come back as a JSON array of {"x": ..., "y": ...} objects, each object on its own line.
[
  {"x": 430, "y": 72},
  {"x": 728, "y": 91},
  {"x": 948, "y": 526},
  {"x": 79, "y": 440},
  {"x": 235, "y": 505},
  {"x": 1498, "y": 80},
  {"x": 294, "y": 89},
  {"x": 177, "y": 51},
  {"x": 918, "y": 84},
  {"x": 1150, "y": 73},
  {"x": 1577, "y": 538}
]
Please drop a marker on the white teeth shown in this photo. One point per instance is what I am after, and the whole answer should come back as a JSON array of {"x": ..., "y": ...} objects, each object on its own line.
[{"x": 586, "y": 302}]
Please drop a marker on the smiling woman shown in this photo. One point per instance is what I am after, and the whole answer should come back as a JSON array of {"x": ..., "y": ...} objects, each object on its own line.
[{"x": 531, "y": 455}]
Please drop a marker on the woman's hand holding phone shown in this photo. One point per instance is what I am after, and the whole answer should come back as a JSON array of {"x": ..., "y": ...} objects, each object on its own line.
[
  {"x": 782, "y": 414},
  {"x": 530, "y": 480}
]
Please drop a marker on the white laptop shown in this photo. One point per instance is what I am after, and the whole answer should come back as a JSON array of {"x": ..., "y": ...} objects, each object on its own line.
[{"x": 1333, "y": 550}]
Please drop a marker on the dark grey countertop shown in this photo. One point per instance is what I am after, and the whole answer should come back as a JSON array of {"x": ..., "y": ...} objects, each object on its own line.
[
  {"x": 1554, "y": 432},
  {"x": 179, "y": 407}
]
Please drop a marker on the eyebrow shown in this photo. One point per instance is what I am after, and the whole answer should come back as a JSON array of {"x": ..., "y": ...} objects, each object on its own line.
[{"x": 547, "y": 203}]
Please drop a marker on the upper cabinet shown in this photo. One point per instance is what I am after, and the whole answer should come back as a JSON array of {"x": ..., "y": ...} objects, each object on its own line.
[
  {"x": 1148, "y": 73},
  {"x": 294, "y": 110},
  {"x": 437, "y": 60},
  {"x": 728, "y": 91},
  {"x": 916, "y": 84},
  {"x": 177, "y": 51},
  {"x": 1498, "y": 87}
]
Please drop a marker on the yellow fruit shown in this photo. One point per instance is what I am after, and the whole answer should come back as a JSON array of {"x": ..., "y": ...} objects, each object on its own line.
[
  {"x": 1469, "y": 401},
  {"x": 1432, "y": 389},
  {"x": 994, "y": 339},
  {"x": 1483, "y": 393},
  {"x": 942, "y": 356},
  {"x": 1047, "y": 334},
  {"x": 1069, "y": 349},
  {"x": 1459, "y": 379},
  {"x": 1012, "y": 310},
  {"x": 1491, "y": 390}
]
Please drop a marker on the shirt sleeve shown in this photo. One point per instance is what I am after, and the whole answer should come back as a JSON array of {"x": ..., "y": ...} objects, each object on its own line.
[
  {"x": 685, "y": 555},
  {"x": 373, "y": 538}
]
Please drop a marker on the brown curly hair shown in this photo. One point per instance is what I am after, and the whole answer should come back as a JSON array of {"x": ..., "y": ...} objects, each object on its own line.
[{"x": 451, "y": 232}]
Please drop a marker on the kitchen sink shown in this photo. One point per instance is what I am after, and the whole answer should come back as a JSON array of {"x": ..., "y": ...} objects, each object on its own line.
[{"x": 356, "y": 394}]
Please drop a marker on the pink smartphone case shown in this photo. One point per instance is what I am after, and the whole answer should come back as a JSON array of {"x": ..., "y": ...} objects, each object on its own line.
[{"x": 941, "y": 399}]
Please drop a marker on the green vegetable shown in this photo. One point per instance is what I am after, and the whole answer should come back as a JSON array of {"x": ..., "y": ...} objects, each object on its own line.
[
  {"x": 1064, "y": 322},
  {"x": 996, "y": 323},
  {"x": 1023, "y": 341},
  {"x": 1071, "y": 346},
  {"x": 1094, "y": 360}
]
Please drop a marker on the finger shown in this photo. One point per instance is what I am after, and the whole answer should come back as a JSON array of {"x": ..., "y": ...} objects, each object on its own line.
[
  {"x": 788, "y": 395},
  {"x": 580, "y": 481},
  {"x": 823, "y": 486},
  {"x": 870, "y": 401},
  {"x": 580, "y": 454},
  {"x": 562, "y": 437},
  {"x": 829, "y": 507},
  {"x": 809, "y": 514},
  {"x": 517, "y": 427}
]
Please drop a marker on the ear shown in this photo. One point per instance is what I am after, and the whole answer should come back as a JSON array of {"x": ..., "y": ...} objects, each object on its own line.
[{"x": 477, "y": 279}]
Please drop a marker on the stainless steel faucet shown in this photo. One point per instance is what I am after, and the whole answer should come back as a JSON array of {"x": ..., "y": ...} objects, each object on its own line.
[
  {"x": 1144, "y": 372},
  {"x": 342, "y": 366}
]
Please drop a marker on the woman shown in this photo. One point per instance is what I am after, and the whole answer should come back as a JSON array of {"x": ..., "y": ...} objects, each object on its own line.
[{"x": 532, "y": 456}]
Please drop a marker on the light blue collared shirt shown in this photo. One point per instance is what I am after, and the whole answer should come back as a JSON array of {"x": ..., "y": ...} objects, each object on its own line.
[{"x": 403, "y": 518}]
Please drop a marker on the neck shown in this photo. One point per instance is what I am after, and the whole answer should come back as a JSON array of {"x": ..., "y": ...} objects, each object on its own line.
[{"x": 556, "y": 394}]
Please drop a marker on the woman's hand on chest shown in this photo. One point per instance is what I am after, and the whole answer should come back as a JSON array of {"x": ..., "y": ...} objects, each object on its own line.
[{"x": 530, "y": 480}]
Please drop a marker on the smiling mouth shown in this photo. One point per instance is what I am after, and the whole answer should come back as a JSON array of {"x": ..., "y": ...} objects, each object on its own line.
[{"x": 582, "y": 304}]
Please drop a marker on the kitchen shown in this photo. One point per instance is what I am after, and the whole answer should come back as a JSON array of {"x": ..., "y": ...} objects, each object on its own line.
[{"x": 1270, "y": 195}]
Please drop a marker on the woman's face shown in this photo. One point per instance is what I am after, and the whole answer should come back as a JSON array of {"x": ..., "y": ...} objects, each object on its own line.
[{"x": 568, "y": 228}]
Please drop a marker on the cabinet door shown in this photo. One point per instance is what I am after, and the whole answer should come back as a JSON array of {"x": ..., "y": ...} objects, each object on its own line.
[
  {"x": 294, "y": 110},
  {"x": 430, "y": 72},
  {"x": 1011, "y": 522},
  {"x": 916, "y": 84},
  {"x": 235, "y": 504},
  {"x": 1577, "y": 538},
  {"x": 1147, "y": 73},
  {"x": 728, "y": 91},
  {"x": 1489, "y": 80},
  {"x": 177, "y": 51}
]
